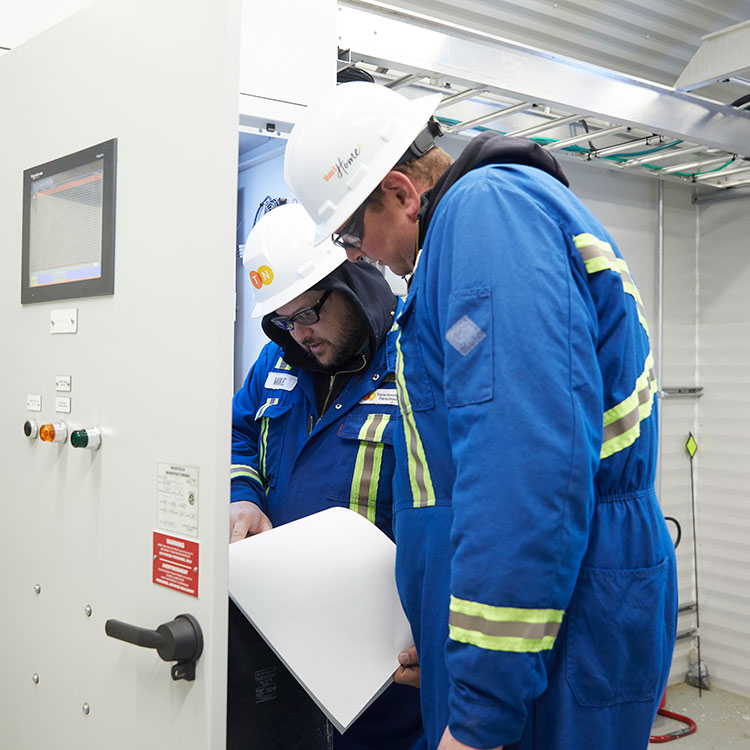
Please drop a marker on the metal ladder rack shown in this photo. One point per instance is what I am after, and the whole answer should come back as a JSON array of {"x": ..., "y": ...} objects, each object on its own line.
[{"x": 578, "y": 110}]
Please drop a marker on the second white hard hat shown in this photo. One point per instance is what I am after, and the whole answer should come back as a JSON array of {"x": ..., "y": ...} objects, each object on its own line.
[
  {"x": 280, "y": 259},
  {"x": 345, "y": 144}
]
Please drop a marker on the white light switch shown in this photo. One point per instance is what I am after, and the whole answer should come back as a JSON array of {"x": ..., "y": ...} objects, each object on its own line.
[{"x": 63, "y": 321}]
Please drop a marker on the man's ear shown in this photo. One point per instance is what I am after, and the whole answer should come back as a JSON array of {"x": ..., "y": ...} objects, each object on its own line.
[{"x": 399, "y": 188}]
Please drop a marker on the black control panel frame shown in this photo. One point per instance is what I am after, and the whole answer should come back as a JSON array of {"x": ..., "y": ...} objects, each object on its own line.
[{"x": 90, "y": 287}]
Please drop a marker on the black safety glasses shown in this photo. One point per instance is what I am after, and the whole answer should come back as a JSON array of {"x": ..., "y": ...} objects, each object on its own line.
[
  {"x": 305, "y": 317},
  {"x": 350, "y": 235}
]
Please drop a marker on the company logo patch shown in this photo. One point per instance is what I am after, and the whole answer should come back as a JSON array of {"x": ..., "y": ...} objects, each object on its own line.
[
  {"x": 387, "y": 396},
  {"x": 341, "y": 166},
  {"x": 264, "y": 275}
]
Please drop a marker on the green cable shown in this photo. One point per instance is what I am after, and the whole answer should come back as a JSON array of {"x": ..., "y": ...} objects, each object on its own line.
[{"x": 613, "y": 157}]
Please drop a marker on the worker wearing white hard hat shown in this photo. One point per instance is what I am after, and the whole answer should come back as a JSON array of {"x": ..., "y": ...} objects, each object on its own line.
[
  {"x": 533, "y": 560},
  {"x": 312, "y": 425}
]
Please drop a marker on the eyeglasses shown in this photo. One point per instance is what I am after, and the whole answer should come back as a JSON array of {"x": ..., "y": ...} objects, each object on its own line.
[
  {"x": 305, "y": 317},
  {"x": 350, "y": 236}
]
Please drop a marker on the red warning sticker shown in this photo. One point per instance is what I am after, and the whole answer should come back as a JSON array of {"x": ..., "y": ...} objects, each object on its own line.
[{"x": 176, "y": 563}]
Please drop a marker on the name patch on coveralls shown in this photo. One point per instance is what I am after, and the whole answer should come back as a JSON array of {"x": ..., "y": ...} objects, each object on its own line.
[
  {"x": 280, "y": 380},
  {"x": 387, "y": 396}
]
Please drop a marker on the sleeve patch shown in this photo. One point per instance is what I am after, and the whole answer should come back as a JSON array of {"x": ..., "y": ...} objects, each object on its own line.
[{"x": 464, "y": 335}]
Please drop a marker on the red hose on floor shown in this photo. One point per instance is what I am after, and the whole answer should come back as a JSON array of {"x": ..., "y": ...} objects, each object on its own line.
[{"x": 689, "y": 728}]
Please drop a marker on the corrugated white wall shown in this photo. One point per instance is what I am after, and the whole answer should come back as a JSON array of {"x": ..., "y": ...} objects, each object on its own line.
[{"x": 724, "y": 439}]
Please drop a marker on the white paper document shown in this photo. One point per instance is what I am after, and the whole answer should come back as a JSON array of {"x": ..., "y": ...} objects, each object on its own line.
[{"x": 322, "y": 592}]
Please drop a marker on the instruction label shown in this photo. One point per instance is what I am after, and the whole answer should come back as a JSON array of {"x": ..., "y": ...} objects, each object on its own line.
[
  {"x": 177, "y": 493},
  {"x": 175, "y": 563}
]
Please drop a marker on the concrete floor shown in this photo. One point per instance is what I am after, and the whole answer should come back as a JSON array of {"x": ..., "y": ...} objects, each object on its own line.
[{"x": 723, "y": 719}]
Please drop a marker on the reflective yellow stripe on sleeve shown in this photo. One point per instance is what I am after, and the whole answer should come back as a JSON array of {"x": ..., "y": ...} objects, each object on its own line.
[
  {"x": 364, "y": 490},
  {"x": 242, "y": 470},
  {"x": 420, "y": 480},
  {"x": 622, "y": 423},
  {"x": 598, "y": 256},
  {"x": 503, "y": 628},
  {"x": 281, "y": 365}
]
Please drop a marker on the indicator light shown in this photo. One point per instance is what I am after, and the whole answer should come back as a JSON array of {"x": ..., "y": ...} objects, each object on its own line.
[
  {"x": 56, "y": 432},
  {"x": 30, "y": 428},
  {"x": 90, "y": 438}
]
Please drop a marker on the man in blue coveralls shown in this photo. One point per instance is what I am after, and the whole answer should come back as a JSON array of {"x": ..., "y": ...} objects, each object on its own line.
[
  {"x": 312, "y": 426},
  {"x": 533, "y": 560}
]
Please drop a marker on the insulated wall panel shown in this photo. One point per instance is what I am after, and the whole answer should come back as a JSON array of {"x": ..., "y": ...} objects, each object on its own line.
[{"x": 724, "y": 440}]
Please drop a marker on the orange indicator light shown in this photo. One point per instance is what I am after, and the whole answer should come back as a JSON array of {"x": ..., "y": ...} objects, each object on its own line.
[
  {"x": 55, "y": 432},
  {"x": 47, "y": 433}
]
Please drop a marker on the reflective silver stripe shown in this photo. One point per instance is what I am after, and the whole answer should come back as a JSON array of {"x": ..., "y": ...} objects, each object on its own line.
[
  {"x": 622, "y": 421},
  {"x": 262, "y": 410},
  {"x": 281, "y": 365},
  {"x": 532, "y": 630},
  {"x": 597, "y": 256},
  {"x": 364, "y": 490},
  {"x": 629, "y": 420},
  {"x": 512, "y": 629},
  {"x": 242, "y": 470}
]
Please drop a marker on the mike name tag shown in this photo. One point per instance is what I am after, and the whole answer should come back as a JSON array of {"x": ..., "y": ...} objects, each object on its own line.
[
  {"x": 388, "y": 396},
  {"x": 281, "y": 381}
]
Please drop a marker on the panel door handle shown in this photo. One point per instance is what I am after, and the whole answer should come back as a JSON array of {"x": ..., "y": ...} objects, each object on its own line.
[{"x": 179, "y": 640}]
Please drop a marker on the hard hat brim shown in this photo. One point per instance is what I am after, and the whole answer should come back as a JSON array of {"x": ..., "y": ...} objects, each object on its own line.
[
  {"x": 420, "y": 111},
  {"x": 300, "y": 287}
]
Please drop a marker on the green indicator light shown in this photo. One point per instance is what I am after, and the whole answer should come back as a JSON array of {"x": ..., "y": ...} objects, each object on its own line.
[{"x": 79, "y": 439}]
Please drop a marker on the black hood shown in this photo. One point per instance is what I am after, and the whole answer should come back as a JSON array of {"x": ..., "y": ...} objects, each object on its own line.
[
  {"x": 487, "y": 148},
  {"x": 371, "y": 297}
]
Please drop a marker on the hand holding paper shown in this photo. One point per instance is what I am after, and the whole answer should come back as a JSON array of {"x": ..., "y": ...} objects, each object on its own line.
[{"x": 322, "y": 592}]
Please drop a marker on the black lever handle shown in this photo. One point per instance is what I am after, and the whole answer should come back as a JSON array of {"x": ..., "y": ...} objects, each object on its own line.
[{"x": 180, "y": 640}]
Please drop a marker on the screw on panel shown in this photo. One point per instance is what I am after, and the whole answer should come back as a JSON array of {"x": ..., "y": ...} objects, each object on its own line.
[
  {"x": 37, "y": 588},
  {"x": 35, "y": 678},
  {"x": 86, "y": 708},
  {"x": 87, "y": 609}
]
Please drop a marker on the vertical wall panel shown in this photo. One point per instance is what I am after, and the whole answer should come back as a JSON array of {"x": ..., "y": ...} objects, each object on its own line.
[{"x": 724, "y": 439}]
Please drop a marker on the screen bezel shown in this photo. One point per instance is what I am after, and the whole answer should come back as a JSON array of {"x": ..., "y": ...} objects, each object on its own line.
[{"x": 105, "y": 284}]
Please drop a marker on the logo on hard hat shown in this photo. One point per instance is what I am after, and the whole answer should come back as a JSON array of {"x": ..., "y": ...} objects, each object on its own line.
[
  {"x": 341, "y": 167},
  {"x": 264, "y": 275}
]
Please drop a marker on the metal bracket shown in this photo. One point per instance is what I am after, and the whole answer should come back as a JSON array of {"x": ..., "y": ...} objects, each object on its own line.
[{"x": 694, "y": 391}]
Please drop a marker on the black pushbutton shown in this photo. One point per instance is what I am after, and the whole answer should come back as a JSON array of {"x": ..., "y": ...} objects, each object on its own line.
[{"x": 30, "y": 428}]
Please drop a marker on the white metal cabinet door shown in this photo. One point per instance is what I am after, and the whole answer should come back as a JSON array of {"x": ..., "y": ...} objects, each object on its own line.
[{"x": 150, "y": 365}]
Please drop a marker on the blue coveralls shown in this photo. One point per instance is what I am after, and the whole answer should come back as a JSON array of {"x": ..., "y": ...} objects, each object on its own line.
[
  {"x": 293, "y": 464},
  {"x": 533, "y": 560}
]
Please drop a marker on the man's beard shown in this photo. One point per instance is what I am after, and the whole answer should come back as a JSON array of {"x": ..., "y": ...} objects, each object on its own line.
[{"x": 349, "y": 344}]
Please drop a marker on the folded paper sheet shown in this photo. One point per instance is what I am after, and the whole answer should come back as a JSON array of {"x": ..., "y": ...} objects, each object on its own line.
[{"x": 322, "y": 592}]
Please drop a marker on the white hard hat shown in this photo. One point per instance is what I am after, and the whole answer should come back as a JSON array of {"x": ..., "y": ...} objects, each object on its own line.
[
  {"x": 345, "y": 144},
  {"x": 280, "y": 260}
]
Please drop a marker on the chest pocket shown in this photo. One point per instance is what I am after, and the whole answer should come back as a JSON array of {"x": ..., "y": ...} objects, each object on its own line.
[
  {"x": 363, "y": 479},
  {"x": 272, "y": 418},
  {"x": 414, "y": 389}
]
